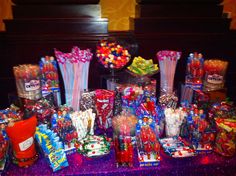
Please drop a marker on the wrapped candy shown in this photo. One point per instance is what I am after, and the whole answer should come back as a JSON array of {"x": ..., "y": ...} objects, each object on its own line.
[
  {"x": 177, "y": 147},
  {"x": 215, "y": 70},
  {"x": 142, "y": 67},
  {"x": 50, "y": 79},
  {"x": 104, "y": 101},
  {"x": 28, "y": 81},
  {"x": 42, "y": 108},
  {"x": 52, "y": 147},
  {"x": 131, "y": 98},
  {"x": 112, "y": 55},
  {"x": 123, "y": 137},
  {"x": 117, "y": 103},
  {"x": 194, "y": 72},
  {"x": 94, "y": 146},
  {"x": 4, "y": 145},
  {"x": 83, "y": 121},
  {"x": 225, "y": 143},
  {"x": 87, "y": 101},
  {"x": 173, "y": 121},
  {"x": 62, "y": 125},
  {"x": 199, "y": 130}
]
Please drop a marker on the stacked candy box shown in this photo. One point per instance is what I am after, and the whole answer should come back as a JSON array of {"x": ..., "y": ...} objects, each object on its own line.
[
  {"x": 194, "y": 72},
  {"x": 62, "y": 125},
  {"x": 50, "y": 80},
  {"x": 124, "y": 138},
  {"x": 148, "y": 129},
  {"x": 177, "y": 147},
  {"x": 52, "y": 147},
  {"x": 224, "y": 114},
  {"x": 199, "y": 130}
]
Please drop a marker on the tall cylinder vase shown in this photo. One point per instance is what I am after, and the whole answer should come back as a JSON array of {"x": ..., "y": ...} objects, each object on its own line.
[{"x": 167, "y": 63}]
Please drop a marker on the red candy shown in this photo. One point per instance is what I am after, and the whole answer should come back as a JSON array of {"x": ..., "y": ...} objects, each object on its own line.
[{"x": 104, "y": 100}]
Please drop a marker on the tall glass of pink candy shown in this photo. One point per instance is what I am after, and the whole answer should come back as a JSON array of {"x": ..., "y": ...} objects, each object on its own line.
[{"x": 167, "y": 63}]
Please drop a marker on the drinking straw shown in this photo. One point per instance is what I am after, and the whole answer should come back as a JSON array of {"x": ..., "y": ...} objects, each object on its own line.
[{"x": 167, "y": 61}]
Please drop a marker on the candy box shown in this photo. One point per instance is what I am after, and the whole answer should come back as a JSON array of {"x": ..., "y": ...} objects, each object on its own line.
[
  {"x": 177, "y": 147},
  {"x": 148, "y": 147},
  {"x": 198, "y": 130},
  {"x": 51, "y": 147},
  {"x": 148, "y": 129},
  {"x": 194, "y": 71},
  {"x": 104, "y": 103},
  {"x": 50, "y": 78},
  {"x": 61, "y": 124}
]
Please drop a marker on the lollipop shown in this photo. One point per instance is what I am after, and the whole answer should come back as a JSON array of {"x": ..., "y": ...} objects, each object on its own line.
[{"x": 112, "y": 55}]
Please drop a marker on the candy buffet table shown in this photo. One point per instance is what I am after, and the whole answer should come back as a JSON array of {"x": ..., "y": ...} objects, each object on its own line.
[{"x": 205, "y": 164}]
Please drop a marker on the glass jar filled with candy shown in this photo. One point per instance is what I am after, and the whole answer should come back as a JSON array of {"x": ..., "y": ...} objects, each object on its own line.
[{"x": 214, "y": 74}]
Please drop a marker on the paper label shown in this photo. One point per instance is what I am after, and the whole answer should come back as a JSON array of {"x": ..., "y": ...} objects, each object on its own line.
[
  {"x": 215, "y": 79},
  {"x": 32, "y": 85},
  {"x": 26, "y": 144}
]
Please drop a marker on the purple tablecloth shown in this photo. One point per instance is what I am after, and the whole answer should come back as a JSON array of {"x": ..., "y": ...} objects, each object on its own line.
[{"x": 204, "y": 164}]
